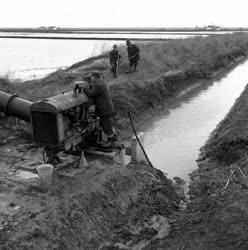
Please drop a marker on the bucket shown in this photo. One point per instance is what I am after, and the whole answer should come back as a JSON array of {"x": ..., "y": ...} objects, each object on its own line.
[{"x": 45, "y": 172}]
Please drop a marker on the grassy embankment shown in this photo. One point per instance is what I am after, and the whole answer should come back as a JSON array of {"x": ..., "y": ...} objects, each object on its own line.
[{"x": 165, "y": 68}]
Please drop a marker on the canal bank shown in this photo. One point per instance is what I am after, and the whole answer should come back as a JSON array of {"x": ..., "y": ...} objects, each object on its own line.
[{"x": 217, "y": 216}]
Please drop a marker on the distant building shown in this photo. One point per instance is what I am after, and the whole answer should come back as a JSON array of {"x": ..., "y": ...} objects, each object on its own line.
[
  {"x": 48, "y": 28},
  {"x": 213, "y": 27}
]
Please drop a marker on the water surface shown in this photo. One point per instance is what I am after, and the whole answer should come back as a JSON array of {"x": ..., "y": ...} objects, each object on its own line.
[{"x": 174, "y": 137}]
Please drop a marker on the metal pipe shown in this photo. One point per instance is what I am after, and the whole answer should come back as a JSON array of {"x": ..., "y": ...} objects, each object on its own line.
[{"x": 12, "y": 105}]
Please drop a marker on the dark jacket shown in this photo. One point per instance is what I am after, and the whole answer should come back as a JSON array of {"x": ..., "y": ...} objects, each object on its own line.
[
  {"x": 100, "y": 94},
  {"x": 133, "y": 52},
  {"x": 114, "y": 56}
]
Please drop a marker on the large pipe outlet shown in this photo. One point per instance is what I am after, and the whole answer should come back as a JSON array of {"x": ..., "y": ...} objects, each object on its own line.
[{"x": 13, "y": 105}]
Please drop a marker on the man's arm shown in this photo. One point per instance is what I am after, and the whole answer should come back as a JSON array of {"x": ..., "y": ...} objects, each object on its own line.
[
  {"x": 119, "y": 55},
  {"x": 137, "y": 50}
]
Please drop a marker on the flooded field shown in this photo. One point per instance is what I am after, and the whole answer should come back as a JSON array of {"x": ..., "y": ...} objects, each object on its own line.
[{"x": 29, "y": 59}]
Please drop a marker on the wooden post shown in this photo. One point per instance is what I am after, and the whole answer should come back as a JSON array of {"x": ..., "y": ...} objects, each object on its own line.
[
  {"x": 137, "y": 154},
  {"x": 119, "y": 157}
]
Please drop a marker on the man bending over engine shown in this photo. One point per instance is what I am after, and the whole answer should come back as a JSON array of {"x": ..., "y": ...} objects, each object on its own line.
[{"x": 97, "y": 89}]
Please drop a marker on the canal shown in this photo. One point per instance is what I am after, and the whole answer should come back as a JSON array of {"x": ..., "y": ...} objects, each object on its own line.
[{"x": 175, "y": 135}]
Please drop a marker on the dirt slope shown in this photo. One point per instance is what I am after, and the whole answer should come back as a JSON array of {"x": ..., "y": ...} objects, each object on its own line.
[{"x": 104, "y": 204}]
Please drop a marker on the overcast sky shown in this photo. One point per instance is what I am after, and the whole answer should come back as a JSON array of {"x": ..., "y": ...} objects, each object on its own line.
[{"x": 127, "y": 13}]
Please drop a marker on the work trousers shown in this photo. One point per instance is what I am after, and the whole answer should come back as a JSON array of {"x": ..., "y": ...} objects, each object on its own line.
[
  {"x": 133, "y": 64},
  {"x": 106, "y": 122},
  {"x": 114, "y": 68}
]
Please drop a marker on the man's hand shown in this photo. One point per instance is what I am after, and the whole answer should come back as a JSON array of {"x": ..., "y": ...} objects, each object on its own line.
[{"x": 78, "y": 85}]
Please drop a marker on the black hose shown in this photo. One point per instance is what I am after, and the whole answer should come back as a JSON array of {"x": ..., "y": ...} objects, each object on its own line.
[{"x": 134, "y": 130}]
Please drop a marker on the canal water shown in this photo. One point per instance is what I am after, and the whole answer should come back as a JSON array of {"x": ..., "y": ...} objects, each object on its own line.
[
  {"x": 173, "y": 138},
  {"x": 29, "y": 59}
]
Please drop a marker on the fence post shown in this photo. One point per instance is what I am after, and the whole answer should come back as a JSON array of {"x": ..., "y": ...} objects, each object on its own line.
[{"x": 137, "y": 154}]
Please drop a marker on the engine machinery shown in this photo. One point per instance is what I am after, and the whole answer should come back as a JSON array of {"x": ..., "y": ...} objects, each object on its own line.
[{"x": 65, "y": 122}]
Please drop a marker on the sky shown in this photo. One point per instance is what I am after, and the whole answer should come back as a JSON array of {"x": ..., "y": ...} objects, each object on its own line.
[{"x": 128, "y": 13}]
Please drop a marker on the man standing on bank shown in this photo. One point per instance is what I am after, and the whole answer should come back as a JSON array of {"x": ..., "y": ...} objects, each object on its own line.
[
  {"x": 114, "y": 58},
  {"x": 133, "y": 55},
  {"x": 97, "y": 89}
]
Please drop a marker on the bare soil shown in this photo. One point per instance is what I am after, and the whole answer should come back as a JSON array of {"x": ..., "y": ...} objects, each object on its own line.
[{"x": 102, "y": 206}]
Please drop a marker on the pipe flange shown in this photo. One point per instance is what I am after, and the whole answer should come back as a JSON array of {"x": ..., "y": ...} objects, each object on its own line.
[{"x": 7, "y": 104}]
